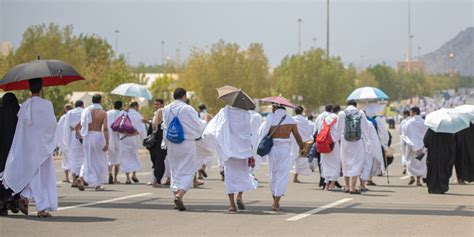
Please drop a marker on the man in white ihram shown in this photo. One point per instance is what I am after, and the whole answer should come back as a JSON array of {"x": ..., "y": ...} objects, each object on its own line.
[
  {"x": 354, "y": 127},
  {"x": 182, "y": 155},
  {"x": 306, "y": 130},
  {"x": 129, "y": 159},
  {"x": 74, "y": 144},
  {"x": 30, "y": 166},
  {"x": 413, "y": 132},
  {"x": 95, "y": 134},
  {"x": 232, "y": 133}
]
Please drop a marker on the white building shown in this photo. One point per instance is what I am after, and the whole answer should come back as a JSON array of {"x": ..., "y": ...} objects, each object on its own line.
[
  {"x": 152, "y": 77},
  {"x": 6, "y": 48}
]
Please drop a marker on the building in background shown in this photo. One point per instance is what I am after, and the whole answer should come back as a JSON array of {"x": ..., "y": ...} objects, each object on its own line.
[
  {"x": 6, "y": 48},
  {"x": 411, "y": 66}
]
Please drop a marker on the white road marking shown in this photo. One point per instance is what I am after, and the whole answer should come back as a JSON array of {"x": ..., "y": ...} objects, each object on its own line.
[
  {"x": 101, "y": 202},
  {"x": 319, "y": 209},
  {"x": 405, "y": 177}
]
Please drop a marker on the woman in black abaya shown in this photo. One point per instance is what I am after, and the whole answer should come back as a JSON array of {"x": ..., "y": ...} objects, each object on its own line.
[
  {"x": 440, "y": 160},
  {"x": 8, "y": 120}
]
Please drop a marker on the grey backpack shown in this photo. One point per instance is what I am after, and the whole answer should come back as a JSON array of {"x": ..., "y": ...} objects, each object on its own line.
[{"x": 352, "y": 131}]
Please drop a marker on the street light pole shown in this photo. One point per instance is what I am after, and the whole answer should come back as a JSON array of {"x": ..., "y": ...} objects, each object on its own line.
[
  {"x": 116, "y": 41},
  {"x": 162, "y": 52},
  {"x": 314, "y": 42},
  {"x": 327, "y": 30},
  {"x": 299, "y": 34}
]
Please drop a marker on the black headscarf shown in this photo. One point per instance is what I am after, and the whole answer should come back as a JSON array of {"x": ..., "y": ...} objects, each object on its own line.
[{"x": 8, "y": 120}]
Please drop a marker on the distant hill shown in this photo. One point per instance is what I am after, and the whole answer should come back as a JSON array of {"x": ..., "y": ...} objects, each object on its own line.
[{"x": 462, "y": 46}]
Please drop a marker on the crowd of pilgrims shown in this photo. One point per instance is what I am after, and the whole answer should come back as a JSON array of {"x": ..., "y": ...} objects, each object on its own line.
[{"x": 93, "y": 154}]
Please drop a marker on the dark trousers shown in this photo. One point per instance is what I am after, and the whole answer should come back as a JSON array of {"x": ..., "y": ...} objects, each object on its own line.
[{"x": 158, "y": 157}]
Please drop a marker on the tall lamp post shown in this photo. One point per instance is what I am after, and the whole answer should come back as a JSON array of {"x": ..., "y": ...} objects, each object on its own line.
[
  {"x": 299, "y": 34},
  {"x": 327, "y": 30},
  {"x": 162, "y": 52},
  {"x": 116, "y": 41}
]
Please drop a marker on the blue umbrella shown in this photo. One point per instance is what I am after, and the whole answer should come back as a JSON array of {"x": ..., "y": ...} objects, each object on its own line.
[
  {"x": 367, "y": 93},
  {"x": 447, "y": 121},
  {"x": 132, "y": 90}
]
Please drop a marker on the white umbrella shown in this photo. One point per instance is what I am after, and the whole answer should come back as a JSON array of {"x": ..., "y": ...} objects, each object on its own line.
[
  {"x": 367, "y": 93},
  {"x": 447, "y": 121},
  {"x": 466, "y": 109},
  {"x": 132, "y": 90}
]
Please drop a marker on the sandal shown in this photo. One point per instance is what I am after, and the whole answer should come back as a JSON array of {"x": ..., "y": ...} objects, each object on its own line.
[
  {"x": 240, "y": 204},
  {"x": 128, "y": 182},
  {"x": 80, "y": 186},
  {"x": 135, "y": 179},
  {"x": 203, "y": 173},
  {"x": 42, "y": 214},
  {"x": 99, "y": 188},
  {"x": 277, "y": 209},
  {"x": 23, "y": 205},
  {"x": 179, "y": 204},
  {"x": 354, "y": 192},
  {"x": 232, "y": 210}
]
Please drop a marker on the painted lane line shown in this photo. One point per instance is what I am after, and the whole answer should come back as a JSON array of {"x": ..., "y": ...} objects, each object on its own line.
[
  {"x": 405, "y": 177},
  {"x": 101, "y": 202},
  {"x": 319, "y": 209}
]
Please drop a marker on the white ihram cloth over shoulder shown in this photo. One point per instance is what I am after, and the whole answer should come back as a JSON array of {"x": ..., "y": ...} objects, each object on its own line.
[
  {"x": 114, "y": 138},
  {"x": 319, "y": 120},
  {"x": 205, "y": 152},
  {"x": 182, "y": 157},
  {"x": 413, "y": 132},
  {"x": 129, "y": 159},
  {"x": 373, "y": 154},
  {"x": 75, "y": 152},
  {"x": 31, "y": 171},
  {"x": 305, "y": 128},
  {"x": 231, "y": 132},
  {"x": 353, "y": 153},
  {"x": 61, "y": 134},
  {"x": 403, "y": 145},
  {"x": 331, "y": 162},
  {"x": 95, "y": 167},
  {"x": 378, "y": 166},
  {"x": 279, "y": 159},
  {"x": 255, "y": 123}
]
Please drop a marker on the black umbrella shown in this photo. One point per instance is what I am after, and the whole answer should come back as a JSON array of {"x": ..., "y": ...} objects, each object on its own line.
[
  {"x": 53, "y": 73},
  {"x": 236, "y": 98}
]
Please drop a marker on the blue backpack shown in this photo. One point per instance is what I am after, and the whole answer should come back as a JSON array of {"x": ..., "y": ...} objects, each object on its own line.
[{"x": 175, "y": 132}]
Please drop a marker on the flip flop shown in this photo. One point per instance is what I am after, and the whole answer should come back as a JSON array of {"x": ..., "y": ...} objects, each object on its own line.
[
  {"x": 128, "y": 182},
  {"x": 135, "y": 179},
  {"x": 240, "y": 204}
]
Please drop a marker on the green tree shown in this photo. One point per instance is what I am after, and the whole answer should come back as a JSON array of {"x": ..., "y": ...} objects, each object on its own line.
[
  {"x": 226, "y": 64},
  {"x": 317, "y": 79}
]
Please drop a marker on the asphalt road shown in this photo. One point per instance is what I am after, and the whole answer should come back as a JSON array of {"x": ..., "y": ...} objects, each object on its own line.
[{"x": 140, "y": 210}]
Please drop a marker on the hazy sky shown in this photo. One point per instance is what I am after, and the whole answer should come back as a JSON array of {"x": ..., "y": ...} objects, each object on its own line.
[{"x": 363, "y": 32}]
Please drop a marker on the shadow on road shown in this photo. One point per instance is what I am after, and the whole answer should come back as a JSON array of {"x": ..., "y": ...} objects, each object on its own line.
[{"x": 74, "y": 219}]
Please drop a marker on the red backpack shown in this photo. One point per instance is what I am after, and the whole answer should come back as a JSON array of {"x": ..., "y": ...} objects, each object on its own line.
[{"x": 324, "y": 141}]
